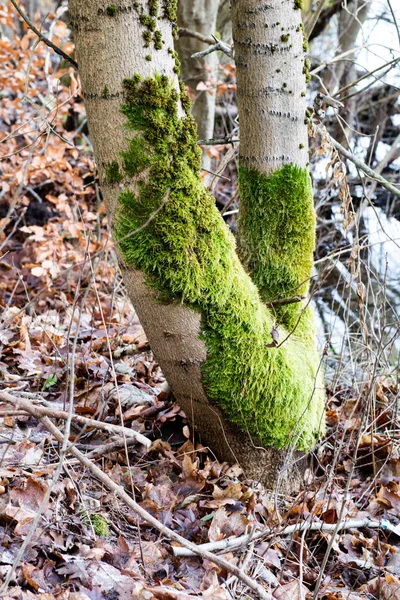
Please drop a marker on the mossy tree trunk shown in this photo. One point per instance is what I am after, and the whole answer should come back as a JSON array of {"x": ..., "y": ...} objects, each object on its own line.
[
  {"x": 206, "y": 321},
  {"x": 199, "y": 16}
]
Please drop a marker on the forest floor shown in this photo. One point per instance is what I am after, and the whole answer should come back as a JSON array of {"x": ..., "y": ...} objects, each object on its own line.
[{"x": 68, "y": 332}]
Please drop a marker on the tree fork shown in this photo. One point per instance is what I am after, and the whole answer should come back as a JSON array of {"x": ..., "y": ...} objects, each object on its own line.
[{"x": 206, "y": 323}]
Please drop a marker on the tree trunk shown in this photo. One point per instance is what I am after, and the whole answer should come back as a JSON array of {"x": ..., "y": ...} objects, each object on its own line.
[
  {"x": 199, "y": 16},
  {"x": 206, "y": 323},
  {"x": 344, "y": 72}
]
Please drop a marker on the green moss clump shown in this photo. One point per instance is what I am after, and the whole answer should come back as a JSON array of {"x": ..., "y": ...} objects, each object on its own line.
[
  {"x": 170, "y": 8},
  {"x": 157, "y": 38},
  {"x": 106, "y": 93},
  {"x": 276, "y": 229},
  {"x": 185, "y": 100},
  {"x": 285, "y": 37},
  {"x": 188, "y": 253},
  {"x": 153, "y": 8},
  {"x": 306, "y": 69},
  {"x": 170, "y": 12},
  {"x": 298, "y": 4},
  {"x": 147, "y": 36},
  {"x": 99, "y": 524},
  {"x": 148, "y": 57},
  {"x": 148, "y": 22},
  {"x": 111, "y": 10},
  {"x": 112, "y": 172}
]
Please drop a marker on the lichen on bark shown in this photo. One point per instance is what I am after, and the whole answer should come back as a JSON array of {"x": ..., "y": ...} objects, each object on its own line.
[{"x": 189, "y": 255}]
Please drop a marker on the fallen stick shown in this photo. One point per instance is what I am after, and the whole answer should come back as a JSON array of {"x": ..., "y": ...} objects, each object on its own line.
[
  {"x": 147, "y": 517},
  {"x": 233, "y": 543},
  {"x": 41, "y": 411}
]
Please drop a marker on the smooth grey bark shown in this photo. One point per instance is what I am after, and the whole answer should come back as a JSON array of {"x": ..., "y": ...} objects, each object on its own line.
[{"x": 271, "y": 85}]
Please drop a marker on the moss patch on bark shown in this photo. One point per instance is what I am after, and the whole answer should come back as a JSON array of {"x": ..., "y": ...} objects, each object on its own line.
[
  {"x": 189, "y": 255},
  {"x": 276, "y": 232}
]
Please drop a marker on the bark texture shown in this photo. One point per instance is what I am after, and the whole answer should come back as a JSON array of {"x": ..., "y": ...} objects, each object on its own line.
[
  {"x": 199, "y": 16},
  {"x": 203, "y": 316}
]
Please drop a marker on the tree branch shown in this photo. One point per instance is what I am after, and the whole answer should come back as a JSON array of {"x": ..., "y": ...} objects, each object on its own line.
[
  {"x": 148, "y": 518},
  {"x": 365, "y": 168},
  {"x": 41, "y": 37},
  {"x": 229, "y": 544},
  {"x": 184, "y": 32},
  {"x": 218, "y": 46},
  {"x": 20, "y": 403}
]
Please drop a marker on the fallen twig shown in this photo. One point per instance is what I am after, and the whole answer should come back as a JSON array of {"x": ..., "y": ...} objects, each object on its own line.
[
  {"x": 229, "y": 544},
  {"x": 146, "y": 516},
  {"x": 41, "y": 411}
]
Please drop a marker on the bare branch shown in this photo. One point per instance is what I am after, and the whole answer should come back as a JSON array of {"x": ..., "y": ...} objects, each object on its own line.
[
  {"x": 152, "y": 521},
  {"x": 365, "y": 168},
  {"x": 231, "y": 543},
  {"x": 184, "y": 32},
  {"x": 26, "y": 405},
  {"x": 218, "y": 46},
  {"x": 41, "y": 37}
]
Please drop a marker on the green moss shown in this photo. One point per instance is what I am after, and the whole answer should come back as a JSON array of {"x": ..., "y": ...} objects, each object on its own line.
[
  {"x": 106, "y": 92},
  {"x": 303, "y": 94},
  {"x": 188, "y": 254},
  {"x": 153, "y": 8},
  {"x": 148, "y": 22},
  {"x": 99, "y": 524},
  {"x": 170, "y": 12},
  {"x": 285, "y": 37},
  {"x": 306, "y": 69},
  {"x": 170, "y": 8},
  {"x": 298, "y": 4},
  {"x": 112, "y": 172},
  {"x": 157, "y": 38},
  {"x": 147, "y": 36},
  {"x": 111, "y": 10},
  {"x": 276, "y": 229},
  {"x": 185, "y": 100},
  {"x": 148, "y": 57}
]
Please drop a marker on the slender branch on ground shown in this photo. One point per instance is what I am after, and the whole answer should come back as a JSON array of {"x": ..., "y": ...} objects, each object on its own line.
[
  {"x": 184, "y": 32},
  {"x": 26, "y": 405},
  {"x": 147, "y": 517},
  {"x": 42, "y": 37},
  {"x": 229, "y": 544}
]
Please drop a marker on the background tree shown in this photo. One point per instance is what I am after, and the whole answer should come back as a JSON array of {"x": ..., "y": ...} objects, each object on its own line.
[
  {"x": 199, "y": 16},
  {"x": 246, "y": 373}
]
